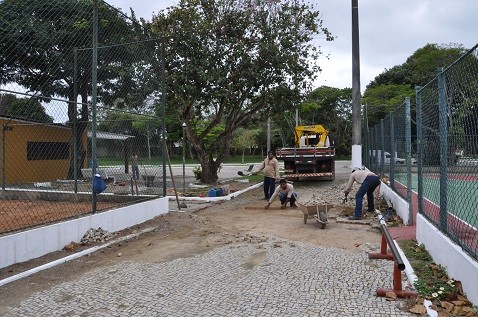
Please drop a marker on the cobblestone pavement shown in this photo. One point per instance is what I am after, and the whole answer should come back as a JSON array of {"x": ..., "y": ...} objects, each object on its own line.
[{"x": 252, "y": 276}]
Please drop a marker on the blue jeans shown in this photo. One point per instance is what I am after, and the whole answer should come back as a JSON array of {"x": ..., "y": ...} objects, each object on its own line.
[
  {"x": 135, "y": 172},
  {"x": 283, "y": 197},
  {"x": 368, "y": 187},
  {"x": 269, "y": 186}
]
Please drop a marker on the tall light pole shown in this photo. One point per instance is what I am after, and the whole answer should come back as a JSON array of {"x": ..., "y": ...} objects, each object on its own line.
[{"x": 356, "y": 98}]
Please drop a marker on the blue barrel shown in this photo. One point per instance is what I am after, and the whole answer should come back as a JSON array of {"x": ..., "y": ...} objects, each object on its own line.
[{"x": 211, "y": 192}]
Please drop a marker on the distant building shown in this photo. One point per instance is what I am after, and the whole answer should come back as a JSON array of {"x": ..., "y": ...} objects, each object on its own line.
[{"x": 33, "y": 151}]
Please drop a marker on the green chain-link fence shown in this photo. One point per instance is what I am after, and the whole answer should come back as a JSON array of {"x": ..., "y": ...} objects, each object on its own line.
[
  {"x": 447, "y": 116},
  {"x": 388, "y": 151},
  {"x": 64, "y": 120},
  {"x": 440, "y": 164}
]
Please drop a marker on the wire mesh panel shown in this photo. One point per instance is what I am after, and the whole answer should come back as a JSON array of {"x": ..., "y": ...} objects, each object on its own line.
[
  {"x": 373, "y": 152},
  {"x": 449, "y": 160},
  {"x": 49, "y": 138},
  {"x": 446, "y": 162},
  {"x": 389, "y": 151},
  {"x": 130, "y": 152},
  {"x": 395, "y": 155},
  {"x": 462, "y": 119}
]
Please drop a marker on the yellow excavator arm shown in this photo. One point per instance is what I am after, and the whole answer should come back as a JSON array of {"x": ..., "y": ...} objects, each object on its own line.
[{"x": 311, "y": 136}]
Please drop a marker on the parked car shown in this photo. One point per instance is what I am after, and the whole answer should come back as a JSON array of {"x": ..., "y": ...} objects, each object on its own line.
[{"x": 376, "y": 156}]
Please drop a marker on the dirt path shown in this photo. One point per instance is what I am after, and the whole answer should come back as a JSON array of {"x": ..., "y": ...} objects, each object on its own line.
[{"x": 200, "y": 229}]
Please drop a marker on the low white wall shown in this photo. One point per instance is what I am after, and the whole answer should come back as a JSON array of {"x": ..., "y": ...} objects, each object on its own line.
[
  {"x": 23, "y": 246},
  {"x": 399, "y": 204},
  {"x": 459, "y": 265}
]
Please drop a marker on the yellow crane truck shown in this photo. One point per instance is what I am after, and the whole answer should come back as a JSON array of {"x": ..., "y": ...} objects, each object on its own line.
[{"x": 312, "y": 157}]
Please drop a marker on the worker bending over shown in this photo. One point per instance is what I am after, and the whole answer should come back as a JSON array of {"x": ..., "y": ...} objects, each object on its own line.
[
  {"x": 369, "y": 182},
  {"x": 286, "y": 194}
]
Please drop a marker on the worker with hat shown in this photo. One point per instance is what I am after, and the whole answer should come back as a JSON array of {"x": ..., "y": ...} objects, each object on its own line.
[{"x": 369, "y": 182}]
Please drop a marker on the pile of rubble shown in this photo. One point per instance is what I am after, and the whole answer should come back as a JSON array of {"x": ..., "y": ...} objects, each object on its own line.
[
  {"x": 327, "y": 196},
  {"x": 96, "y": 235}
]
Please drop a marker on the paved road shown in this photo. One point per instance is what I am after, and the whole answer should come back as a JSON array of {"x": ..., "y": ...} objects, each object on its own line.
[{"x": 258, "y": 276}]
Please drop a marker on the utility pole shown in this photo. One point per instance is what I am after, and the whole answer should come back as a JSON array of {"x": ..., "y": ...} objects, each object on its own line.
[{"x": 356, "y": 107}]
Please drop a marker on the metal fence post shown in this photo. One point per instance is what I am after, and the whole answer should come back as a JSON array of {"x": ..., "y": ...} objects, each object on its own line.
[
  {"x": 393, "y": 150},
  {"x": 367, "y": 139},
  {"x": 3, "y": 156},
  {"x": 163, "y": 112},
  {"x": 443, "y": 129},
  {"x": 408, "y": 149},
  {"x": 382, "y": 148},
  {"x": 94, "y": 93},
  {"x": 419, "y": 117},
  {"x": 75, "y": 118}
]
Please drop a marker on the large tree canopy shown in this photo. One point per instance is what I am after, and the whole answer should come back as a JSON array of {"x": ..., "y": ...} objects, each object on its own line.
[
  {"x": 230, "y": 63},
  {"x": 389, "y": 89},
  {"x": 420, "y": 67}
]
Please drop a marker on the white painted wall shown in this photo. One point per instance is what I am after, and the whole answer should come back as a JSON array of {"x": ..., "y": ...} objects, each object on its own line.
[
  {"x": 399, "y": 204},
  {"x": 23, "y": 246},
  {"x": 356, "y": 156}
]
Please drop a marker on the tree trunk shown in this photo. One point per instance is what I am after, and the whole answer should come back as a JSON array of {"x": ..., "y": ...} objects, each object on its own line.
[{"x": 209, "y": 169}]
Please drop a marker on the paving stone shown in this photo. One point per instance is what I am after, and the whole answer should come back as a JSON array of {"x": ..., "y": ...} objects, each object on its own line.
[{"x": 298, "y": 280}]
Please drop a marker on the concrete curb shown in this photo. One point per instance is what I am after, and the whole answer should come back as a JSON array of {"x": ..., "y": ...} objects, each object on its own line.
[
  {"x": 212, "y": 199},
  {"x": 71, "y": 257}
]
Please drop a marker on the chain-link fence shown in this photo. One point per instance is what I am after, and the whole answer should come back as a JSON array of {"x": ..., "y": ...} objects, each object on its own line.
[
  {"x": 441, "y": 163},
  {"x": 388, "y": 151},
  {"x": 447, "y": 116},
  {"x": 80, "y": 96}
]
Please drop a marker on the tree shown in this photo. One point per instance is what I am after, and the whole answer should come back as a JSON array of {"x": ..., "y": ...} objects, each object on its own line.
[
  {"x": 332, "y": 108},
  {"x": 37, "y": 52},
  {"x": 420, "y": 67},
  {"x": 389, "y": 89},
  {"x": 244, "y": 139},
  {"x": 384, "y": 99},
  {"x": 229, "y": 63},
  {"x": 26, "y": 108}
]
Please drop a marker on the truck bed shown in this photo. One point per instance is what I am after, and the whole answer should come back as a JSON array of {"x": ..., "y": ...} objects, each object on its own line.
[{"x": 313, "y": 163}]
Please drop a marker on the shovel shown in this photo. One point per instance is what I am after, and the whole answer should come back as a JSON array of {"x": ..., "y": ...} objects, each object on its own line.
[{"x": 241, "y": 173}]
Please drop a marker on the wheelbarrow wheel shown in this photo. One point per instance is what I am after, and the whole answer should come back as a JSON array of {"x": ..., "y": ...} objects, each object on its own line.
[{"x": 323, "y": 219}]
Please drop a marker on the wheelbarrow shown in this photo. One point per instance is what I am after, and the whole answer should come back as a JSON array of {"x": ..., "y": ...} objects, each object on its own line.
[{"x": 319, "y": 212}]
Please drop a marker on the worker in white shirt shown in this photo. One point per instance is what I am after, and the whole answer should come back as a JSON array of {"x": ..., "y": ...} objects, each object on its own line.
[
  {"x": 286, "y": 194},
  {"x": 369, "y": 182}
]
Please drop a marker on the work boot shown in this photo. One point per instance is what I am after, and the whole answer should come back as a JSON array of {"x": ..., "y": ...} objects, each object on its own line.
[{"x": 354, "y": 218}]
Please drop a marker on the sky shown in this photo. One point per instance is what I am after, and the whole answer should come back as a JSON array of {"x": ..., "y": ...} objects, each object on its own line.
[{"x": 389, "y": 31}]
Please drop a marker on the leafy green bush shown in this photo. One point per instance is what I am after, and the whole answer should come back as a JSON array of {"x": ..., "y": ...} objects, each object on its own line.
[{"x": 197, "y": 173}]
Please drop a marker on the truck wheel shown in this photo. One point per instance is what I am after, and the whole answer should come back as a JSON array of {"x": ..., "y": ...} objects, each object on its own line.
[{"x": 323, "y": 219}]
